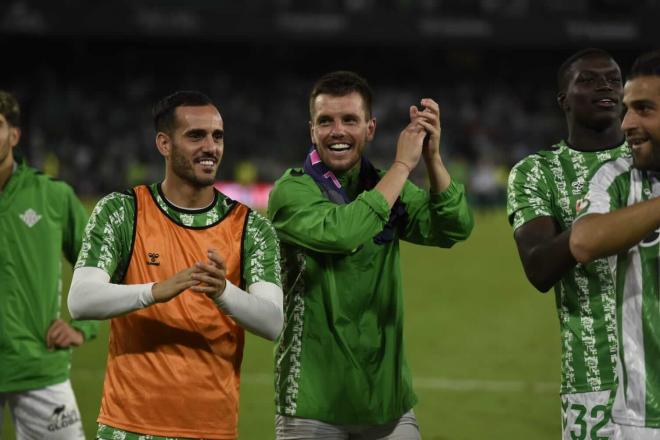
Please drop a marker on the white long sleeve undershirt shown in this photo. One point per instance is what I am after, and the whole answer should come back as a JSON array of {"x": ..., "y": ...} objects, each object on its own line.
[{"x": 92, "y": 296}]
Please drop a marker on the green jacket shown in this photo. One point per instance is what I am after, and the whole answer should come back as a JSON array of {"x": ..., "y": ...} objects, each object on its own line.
[
  {"x": 340, "y": 357},
  {"x": 39, "y": 219}
]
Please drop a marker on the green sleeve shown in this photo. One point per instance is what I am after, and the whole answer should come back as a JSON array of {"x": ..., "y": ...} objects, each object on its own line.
[
  {"x": 302, "y": 216},
  {"x": 74, "y": 220},
  {"x": 261, "y": 256},
  {"x": 437, "y": 219},
  {"x": 89, "y": 329},
  {"x": 108, "y": 236},
  {"x": 528, "y": 195}
]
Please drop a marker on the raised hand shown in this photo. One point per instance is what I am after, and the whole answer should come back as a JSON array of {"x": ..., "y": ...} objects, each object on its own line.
[
  {"x": 62, "y": 335},
  {"x": 429, "y": 118},
  {"x": 409, "y": 145}
]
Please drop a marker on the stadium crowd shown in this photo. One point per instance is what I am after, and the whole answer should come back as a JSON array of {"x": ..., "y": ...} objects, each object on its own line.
[{"x": 89, "y": 123}]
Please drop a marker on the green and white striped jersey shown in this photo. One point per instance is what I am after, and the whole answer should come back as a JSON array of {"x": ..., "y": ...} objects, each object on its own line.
[
  {"x": 637, "y": 402},
  {"x": 550, "y": 183}
]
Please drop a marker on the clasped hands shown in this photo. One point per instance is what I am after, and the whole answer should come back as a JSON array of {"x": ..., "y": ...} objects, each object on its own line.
[
  {"x": 421, "y": 136},
  {"x": 208, "y": 277}
]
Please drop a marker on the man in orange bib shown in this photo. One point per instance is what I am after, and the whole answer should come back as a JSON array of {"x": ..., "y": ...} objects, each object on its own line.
[{"x": 181, "y": 269}]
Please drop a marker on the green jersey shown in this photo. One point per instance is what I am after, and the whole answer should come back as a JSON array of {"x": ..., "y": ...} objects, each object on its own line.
[
  {"x": 549, "y": 184},
  {"x": 637, "y": 402},
  {"x": 340, "y": 357},
  {"x": 108, "y": 237},
  {"x": 40, "y": 218}
]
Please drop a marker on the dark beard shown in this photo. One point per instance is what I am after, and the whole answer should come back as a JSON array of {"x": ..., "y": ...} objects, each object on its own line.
[
  {"x": 653, "y": 162},
  {"x": 184, "y": 170}
]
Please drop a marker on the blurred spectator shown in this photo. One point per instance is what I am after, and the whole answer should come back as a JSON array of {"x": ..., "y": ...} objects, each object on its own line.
[{"x": 486, "y": 186}]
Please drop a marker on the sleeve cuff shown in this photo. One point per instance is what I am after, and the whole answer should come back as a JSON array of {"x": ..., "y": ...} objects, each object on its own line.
[
  {"x": 449, "y": 193},
  {"x": 226, "y": 296},
  {"x": 88, "y": 329}
]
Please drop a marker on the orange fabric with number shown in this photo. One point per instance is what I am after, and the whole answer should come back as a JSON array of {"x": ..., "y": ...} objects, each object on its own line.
[{"x": 173, "y": 368}]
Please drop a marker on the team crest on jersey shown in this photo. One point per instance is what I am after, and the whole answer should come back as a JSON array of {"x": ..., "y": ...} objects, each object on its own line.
[
  {"x": 30, "y": 217},
  {"x": 581, "y": 205}
]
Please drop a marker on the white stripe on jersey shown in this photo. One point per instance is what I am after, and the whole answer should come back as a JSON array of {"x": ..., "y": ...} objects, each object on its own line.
[
  {"x": 630, "y": 402},
  {"x": 598, "y": 196}
]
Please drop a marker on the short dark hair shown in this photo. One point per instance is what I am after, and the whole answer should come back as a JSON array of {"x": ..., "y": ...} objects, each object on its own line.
[
  {"x": 164, "y": 110},
  {"x": 647, "y": 64},
  {"x": 342, "y": 83},
  {"x": 10, "y": 109},
  {"x": 562, "y": 72}
]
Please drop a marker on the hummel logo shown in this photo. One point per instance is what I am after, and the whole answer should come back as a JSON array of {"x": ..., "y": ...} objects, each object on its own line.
[
  {"x": 153, "y": 259},
  {"x": 30, "y": 217}
]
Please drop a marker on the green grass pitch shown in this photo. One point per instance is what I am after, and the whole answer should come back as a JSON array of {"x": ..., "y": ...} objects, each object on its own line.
[{"x": 482, "y": 344}]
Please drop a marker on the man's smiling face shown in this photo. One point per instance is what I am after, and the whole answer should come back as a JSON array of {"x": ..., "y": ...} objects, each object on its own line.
[
  {"x": 340, "y": 129},
  {"x": 641, "y": 122}
]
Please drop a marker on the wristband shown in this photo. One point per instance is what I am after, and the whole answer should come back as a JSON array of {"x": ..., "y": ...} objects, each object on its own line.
[{"x": 404, "y": 164}]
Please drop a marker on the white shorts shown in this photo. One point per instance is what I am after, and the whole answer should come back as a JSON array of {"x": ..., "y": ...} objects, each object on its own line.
[
  {"x": 587, "y": 416},
  {"x": 297, "y": 428},
  {"x": 49, "y": 413},
  {"x": 639, "y": 433}
]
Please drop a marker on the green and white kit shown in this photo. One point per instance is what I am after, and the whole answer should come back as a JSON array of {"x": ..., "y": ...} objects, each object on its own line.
[
  {"x": 550, "y": 183},
  {"x": 617, "y": 185}
]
